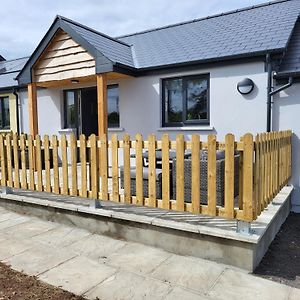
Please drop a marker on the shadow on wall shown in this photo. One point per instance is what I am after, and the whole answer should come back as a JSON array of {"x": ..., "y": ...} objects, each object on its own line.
[
  {"x": 285, "y": 115},
  {"x": 253, "y": 94}
]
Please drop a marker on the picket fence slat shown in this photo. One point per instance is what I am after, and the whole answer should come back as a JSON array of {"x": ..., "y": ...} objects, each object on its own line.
[
  {"x": 139, "y": 169},
  {"x": 211, "y": 174},
  {"x": 9, "y": 161}
]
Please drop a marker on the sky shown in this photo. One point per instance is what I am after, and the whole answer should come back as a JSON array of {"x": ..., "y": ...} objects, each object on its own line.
[{"x": 23, "y": 23}]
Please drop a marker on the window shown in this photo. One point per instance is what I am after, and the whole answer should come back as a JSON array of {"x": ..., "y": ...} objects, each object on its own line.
[
  {"x": 113, "y": 106},
  {"x": 4, "y": 113},
  {"x": 185, "y": 100},
  {"x": 71, "y": 109}
]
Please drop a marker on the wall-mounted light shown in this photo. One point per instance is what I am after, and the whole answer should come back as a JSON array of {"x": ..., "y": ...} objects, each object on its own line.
[
  {"x": 75, "y": 81},
  {"x": 245, "y": 86}
]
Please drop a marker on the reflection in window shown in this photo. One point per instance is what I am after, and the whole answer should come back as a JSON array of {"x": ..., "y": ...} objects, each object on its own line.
[
  {"x": 185, "y": 101},
  {"x": 71, "y": 109},
  {"x": 4, "y": 113},
  {"x": 173, "y": 101},
  {"x": 196, "y": 99},
  {"x": 113, "y": 106}
]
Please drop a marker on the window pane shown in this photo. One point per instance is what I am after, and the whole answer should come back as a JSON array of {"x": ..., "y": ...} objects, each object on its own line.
[
  {"x": 113, "y": 106},
  {"x": 71, "y": 110},
  {"x": 196, "y": 99},
  {"x": 6, "y": 120},
  {"x": 4, "y": 113},
  {"x": 173, "y": 101}
]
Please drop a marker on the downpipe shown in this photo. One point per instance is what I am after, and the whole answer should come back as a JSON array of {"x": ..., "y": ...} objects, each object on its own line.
[{"x": 271, "y": 92}]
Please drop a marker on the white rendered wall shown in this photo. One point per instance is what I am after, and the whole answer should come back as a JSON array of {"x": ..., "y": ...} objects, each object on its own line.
[
  {"x": 140, "y": 102},
  {"x": 286, "y": 115},
  {"x": 49, "y": 111}
]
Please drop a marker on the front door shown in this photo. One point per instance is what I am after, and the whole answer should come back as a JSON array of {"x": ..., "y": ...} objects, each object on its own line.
[{"x": 89, "y": 111}]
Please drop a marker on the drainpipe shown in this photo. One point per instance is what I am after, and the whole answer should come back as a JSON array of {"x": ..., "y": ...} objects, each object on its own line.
[
  {"x": 15, "y": 92},
  {"x": 269, "y": 90},
  {"x": 272, "y": 92},
  {"x": 290, "y": 83}
]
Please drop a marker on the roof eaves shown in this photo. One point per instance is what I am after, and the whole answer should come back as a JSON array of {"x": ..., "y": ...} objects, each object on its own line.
[{"x": 215, "y": 59}]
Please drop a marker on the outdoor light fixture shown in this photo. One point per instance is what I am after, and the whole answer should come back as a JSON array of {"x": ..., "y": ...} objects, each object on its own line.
[
  {"x": 75, "y": 81},
  {"x": 245, "y": 86}
]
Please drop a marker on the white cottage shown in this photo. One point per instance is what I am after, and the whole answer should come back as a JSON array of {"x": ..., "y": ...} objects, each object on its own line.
[{"x": 233, "y": 72}]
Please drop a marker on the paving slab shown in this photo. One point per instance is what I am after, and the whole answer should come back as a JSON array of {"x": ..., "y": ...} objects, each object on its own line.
[
  {"x": 235, "y": 285},
  {"x": 10, "y": 247},
  {"x": 96, "y": 247},
  {"x": 61, "y": 236},
  {"x": 295, "y": 294},
  {"x": 31, "y": 228},
  {"x": 183, "y": 294},
  {"x": 13, "y": 222},
  {"x": 189, "y": 272},
  {"x": 78, "y": 275},
  {"x": 137, "y": 258},
  {"x": 39, "y": 259},
  {"x": 129, "y": 286},
  {"x": 5, "y": 215}
]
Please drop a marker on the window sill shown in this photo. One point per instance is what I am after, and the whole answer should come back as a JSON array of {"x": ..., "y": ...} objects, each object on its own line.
[
  {"x": 187, "y": 128},
  {"x": 115, "y": 129},
  {"x": 5, "y": 130}
]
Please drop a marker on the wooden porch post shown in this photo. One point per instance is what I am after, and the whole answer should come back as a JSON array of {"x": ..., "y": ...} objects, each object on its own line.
[
  {"x": 102, "y": 103},
  {"x": 32, "y": 109}
]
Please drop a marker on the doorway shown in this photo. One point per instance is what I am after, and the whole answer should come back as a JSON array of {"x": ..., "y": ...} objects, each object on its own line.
[
  {"x": 81, "y": 111},
  {"x": 89, "y": 112}
]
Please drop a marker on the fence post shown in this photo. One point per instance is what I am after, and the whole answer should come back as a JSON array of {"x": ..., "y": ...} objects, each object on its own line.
[
  {"x": 64, "y": 156},
  {"x": 56, "y": 186},
  {"x": 196, "y": 173},
  {"x": 165, "y": 172},
  {"x": 248, "y": 205},
  {"x": 115, "y": 167},
  {"x": 139, "y": 169},
  {"x": 180, "y": 172},
  {"x": 211, "y": 174},
  {"x": 127, "y": 175},
  {"x": 104, "y": 166},
  {"x": 94, "y": 167},
  {"x": 73, "y": 151}
]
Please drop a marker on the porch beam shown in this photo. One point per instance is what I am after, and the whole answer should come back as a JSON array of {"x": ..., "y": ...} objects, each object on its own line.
[
  {"x": 102, "y": 103},
  {"x": 32, "y": 109}
]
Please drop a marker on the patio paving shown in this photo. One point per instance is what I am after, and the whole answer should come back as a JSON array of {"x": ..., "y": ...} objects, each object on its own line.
[{"x": 97, "y": 266}]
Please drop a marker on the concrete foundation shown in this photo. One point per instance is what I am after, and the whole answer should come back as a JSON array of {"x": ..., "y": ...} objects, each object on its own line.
[{"x": 205, "y": 237}]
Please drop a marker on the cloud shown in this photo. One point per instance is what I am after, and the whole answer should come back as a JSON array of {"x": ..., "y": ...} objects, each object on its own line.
[{"x": 23, "y": 23}]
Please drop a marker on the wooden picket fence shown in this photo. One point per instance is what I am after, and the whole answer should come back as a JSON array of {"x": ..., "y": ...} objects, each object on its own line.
[{"x": 81, "y": 168}]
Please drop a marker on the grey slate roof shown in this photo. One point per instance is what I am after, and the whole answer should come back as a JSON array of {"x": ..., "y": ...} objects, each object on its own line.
[
  {"x": 9, "y": 70},
  {"x": 114, "y": 50},
  {"x": 252, "y": 31},
  {"x": 291, "y": 59},
  {"x": 243, "y": 32}
]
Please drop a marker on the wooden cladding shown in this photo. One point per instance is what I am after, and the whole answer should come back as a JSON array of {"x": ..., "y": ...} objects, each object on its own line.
[
  {"x": 63, "y": 59},
  {"x": 81, "y": 168}
]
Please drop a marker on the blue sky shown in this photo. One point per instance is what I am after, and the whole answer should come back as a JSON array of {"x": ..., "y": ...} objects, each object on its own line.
[{"x": 23, "y": 23}]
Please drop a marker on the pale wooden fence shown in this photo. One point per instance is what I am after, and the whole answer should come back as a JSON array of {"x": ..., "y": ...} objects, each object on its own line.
[{"x": 81, "y": 168}]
